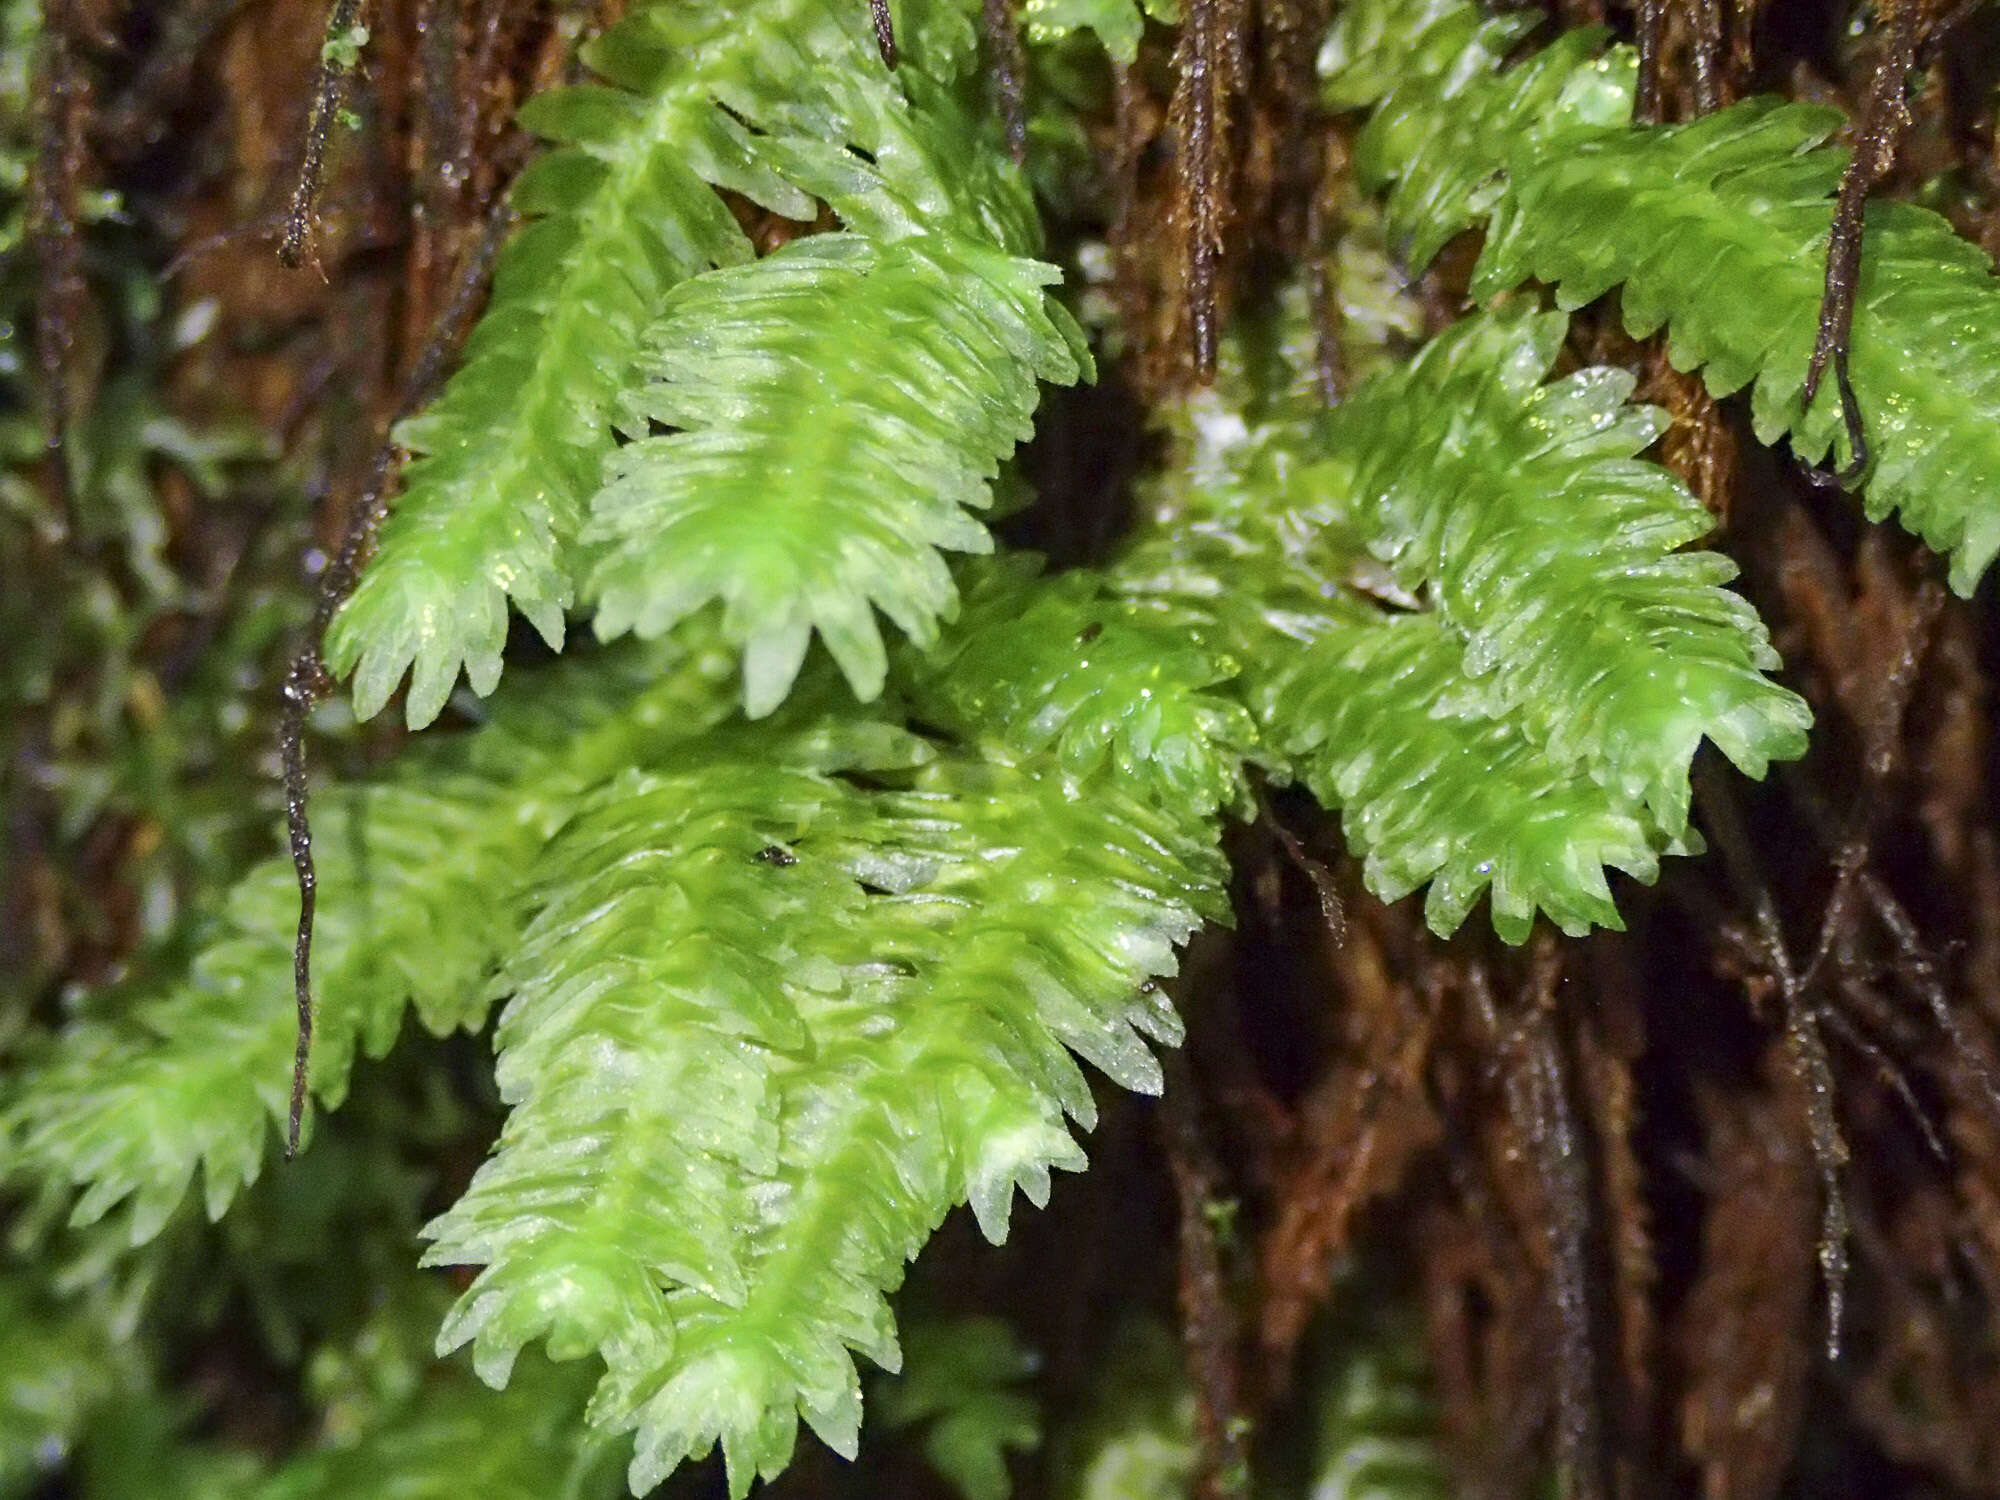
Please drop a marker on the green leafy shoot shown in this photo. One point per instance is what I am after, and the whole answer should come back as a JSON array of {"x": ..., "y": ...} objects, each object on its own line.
[
  {"x": 724, "y": 1148},
  {"x": 419, "y": 899},
  {"x": 1106, "y": 684},
  {"x": 784, "y": 103},
  {"x": 806, "y": 491},
  {"x": 1465, "y": 624},
  {"x": 1715, "y": 230}
]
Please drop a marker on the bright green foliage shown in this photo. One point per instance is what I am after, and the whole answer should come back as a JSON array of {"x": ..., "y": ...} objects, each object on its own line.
[
  {"x": 511, "y": 451},
  {"x": 783, "y": 995},
  {"x": 1541, "y": 542},
  {"x": 770, "y": 1025},
  {"x": 1715, "y": 229},
  {"x": 1434, "y": 789},
  {"x": 1445, "y": 126},
  {"x": 1524, "y": 714},
  {"x": 1063, "y": 664},
  {"x": 785, "y": 103},
  {"x": 777, "y": 996},
  {"x": 802, "y": 494},
  {"x": 1117, "y": 24},
  {"x": 419, "y": 898},
  {"x": 962, "y": 1383}
]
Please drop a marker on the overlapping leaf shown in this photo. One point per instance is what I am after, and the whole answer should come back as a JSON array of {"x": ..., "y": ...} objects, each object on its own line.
[
  {"x": 1715, "y": 229},
  {"x": 419, "y": 899},
  {"x": 837, "y": 412},
  {"x": 1464, "y": 622},
  {"x": 783, "y": 102},
  {"x": 1063, "y": 664},
  {"x": 788, "y": 1002}
]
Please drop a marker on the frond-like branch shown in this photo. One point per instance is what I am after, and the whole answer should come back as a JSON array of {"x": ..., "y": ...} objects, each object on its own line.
[
  {"x": 1523, "y": 712},
  {"x": 420, "y": 898},
  {"x": 1552, "y": 552},
  {"x": 1715, "y": 229},
  {"x": 1106, "y": 684},
  {"x": 790, "y": 998},
  {"x": 837, "y": 412},
  {"x": 784, "y": 102}
]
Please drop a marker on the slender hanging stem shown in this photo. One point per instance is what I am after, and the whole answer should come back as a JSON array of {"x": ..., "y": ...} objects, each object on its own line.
[
  {"x": 885, "y": 31},
  {"x": 1885, "y": 120},
  {"x": 1007, "y": 66},
  {"x": 307, "y": 680},
  {"x": 336, "y": 61}
]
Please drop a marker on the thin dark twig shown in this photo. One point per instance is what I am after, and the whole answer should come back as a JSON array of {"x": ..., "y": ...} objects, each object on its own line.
[
  {"x": 1007, "y": 66},
  {"x": 439, "y": 130},
  {"x": 1650, "y": 105},
  {"x": 1829, "y": 1147},
  {"x": 1326, "y": 311},
  {"x": 302, "y": 219},
  {"x": 1919, "y": 970},
  {"x": 1126, "y": 147},
  {"x": 307, "y": 681},
  {"x": 272, "y": 227},
  {"x": 1208, "y": 60},
  {"x": 1331, "y": 909},
  {"x": 500, "y": 29},
  {"x": 1885, "y": 120},
  {"x": 1917, "y": 967},
  {"x": 885, "y": 31},
  {"x": 1882, "y": 736},
  {"x": 1708, "y": 49}
]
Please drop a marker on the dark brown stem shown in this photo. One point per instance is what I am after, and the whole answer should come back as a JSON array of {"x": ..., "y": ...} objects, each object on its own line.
[
  {"x": 1805, "y": 1045},
  {"x": 440, "y": 125},
  {"x": 1208, "y": 59},
  {"x": 1892, "y": 1076},
  {"x": 1007, "y": 67},
  {"x": 307, "y": 681},
  {"x": 1320, "y": 236},
  {"x": 302, "y": 218},
  {"x": 885, "y": 31},
  {"x": 1882, "y": 736},
  {"x": 1710, "y": 58},
  {"x": 1885, "y": 120},
  {"x": 1539, "y": 1099},
  {"x": 1650, "y": 106}
]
